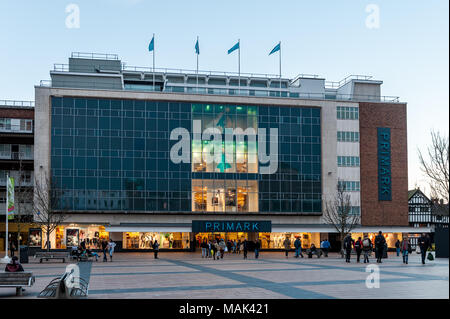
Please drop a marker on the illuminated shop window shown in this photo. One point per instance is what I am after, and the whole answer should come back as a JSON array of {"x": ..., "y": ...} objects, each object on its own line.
[
  {"x": 145, "y": 240},
  {"x": 224, "y": 196}
]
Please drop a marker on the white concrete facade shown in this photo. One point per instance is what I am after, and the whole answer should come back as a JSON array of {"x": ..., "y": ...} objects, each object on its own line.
[{"x": 330, "y": 149}]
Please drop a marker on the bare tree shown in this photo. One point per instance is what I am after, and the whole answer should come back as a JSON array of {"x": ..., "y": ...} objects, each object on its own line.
[
  {"x": 436, "y": 165},
  {"x": 24, "y": 202},
  {"x": 338, "y": 212},
  {"x": 47, "y": 206}
]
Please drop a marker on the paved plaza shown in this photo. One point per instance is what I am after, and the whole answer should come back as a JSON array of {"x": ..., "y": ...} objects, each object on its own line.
[{"x": 188, "y": 276}]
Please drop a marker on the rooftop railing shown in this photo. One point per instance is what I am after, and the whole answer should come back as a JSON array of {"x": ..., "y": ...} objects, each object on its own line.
[
  {"x": 222, "y": 90},
  {"x": 14, "y": 103},
  {"x": 338, "y": 84},
  {"x": 100, "y": 56},
  {"x": 200, "y": 72}
]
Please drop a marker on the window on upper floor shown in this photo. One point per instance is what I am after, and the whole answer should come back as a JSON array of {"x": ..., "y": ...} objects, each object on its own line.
[
  {"x": 347, "y": 113},
  {"x": 348, "y": 161},
  {"x": 346, "y": 136}
]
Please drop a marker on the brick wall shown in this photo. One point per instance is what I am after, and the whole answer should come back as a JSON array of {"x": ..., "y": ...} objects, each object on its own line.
[
  {"x": 374, "y": 212},
  {"x": 16, "y": 113}
]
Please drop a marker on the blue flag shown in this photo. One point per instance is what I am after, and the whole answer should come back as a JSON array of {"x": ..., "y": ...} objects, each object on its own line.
[
  {"x": 277, "y": 48},
  {"x": 235, "y": 47},
  {"x": 151, "y": 46},
  {"x": 197, "y": 47}
]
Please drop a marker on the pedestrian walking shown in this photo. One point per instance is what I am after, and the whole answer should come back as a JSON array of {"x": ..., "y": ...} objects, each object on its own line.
[
  {"x": 213, "y": 249},
  {"x": 229, "y": 246},
  {"x": 358, "y": 248},
  {"x": 348, "y": 246},
  {"x": 239, "y": 247},
  {"x": 380, "y": 241},
  {"x": 298, "y": 247},
  {"x": 216, "y": 249},
  {"x": 12, "y": 247},
  {"x": 406, "y": 249},
  {"x": 424, "y": 244},
  {"x": 325, "y": 246},
  {"x": 245, "y": 248},
  {"x": 287, "y": 246},
  {"x": 112, "y": 246},
  {"x": 204, "y": 246},
  {"x": 367, "y": 248},
  {"x": 104, "y": 249},
  {"x": 398, "y": 247},
  {"x": 222, "y": 248},
  {"x": 257, "y": 248},
  {"x": 155, "y": 247}
]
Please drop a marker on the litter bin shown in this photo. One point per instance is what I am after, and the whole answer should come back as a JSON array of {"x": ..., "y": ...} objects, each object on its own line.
[{"x": 23, "y": 254}]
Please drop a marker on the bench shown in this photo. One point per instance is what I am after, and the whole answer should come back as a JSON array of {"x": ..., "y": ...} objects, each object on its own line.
[
  {"x": 17, "y": 280},
  {"x": 64, "y": 287},
  {"x": 52, "y": 255}
]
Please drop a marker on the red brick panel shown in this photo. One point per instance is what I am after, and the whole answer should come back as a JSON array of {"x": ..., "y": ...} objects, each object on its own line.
[
  {"x": 374, "y": 212},
  {"x": 17, "y": 113}
]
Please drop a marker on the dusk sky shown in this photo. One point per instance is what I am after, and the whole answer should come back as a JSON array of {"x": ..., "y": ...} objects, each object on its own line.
[{"x": 407, "y": 50}]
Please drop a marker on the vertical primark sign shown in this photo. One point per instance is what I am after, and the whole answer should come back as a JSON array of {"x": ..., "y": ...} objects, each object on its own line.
[{"x": 384, "y": 164}]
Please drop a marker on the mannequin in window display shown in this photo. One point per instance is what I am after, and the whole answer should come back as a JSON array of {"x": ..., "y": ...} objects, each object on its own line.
[{"x": 215, "y": 199}]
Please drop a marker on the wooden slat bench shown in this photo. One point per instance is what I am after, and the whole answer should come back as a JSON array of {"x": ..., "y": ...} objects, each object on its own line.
[
  {"x": 52, "y": 255},
  {"x": 17, "y": 280}
]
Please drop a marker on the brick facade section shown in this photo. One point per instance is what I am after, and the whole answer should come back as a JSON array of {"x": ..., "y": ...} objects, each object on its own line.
[
  {"x": 374, "y": 212},
  {"x": 12, "y": 113}
]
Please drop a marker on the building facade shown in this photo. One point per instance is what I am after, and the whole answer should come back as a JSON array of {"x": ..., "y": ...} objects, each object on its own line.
[
  {"x": 17, "y": 161},
  {"x": 134, "y": 151},
  {"x": 425, "y": 212}
]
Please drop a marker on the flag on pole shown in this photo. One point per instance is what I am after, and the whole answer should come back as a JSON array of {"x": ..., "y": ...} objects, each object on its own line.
[
  {"x": 151, "y": 46},
  {"x": 197, "y": 47},
  {"x": 235, "y": 47},
  {"x": 276, "y": 48},
  {"x": 10, "y": 197}
]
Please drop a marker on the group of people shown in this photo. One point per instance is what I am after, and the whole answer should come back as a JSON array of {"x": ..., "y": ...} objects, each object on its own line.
[
  {"x": 218, "y": 247},
  {"x": 312, "y": 250},
  {"x": 107, "y": 248},
  {"x": 365, "y": 246}
]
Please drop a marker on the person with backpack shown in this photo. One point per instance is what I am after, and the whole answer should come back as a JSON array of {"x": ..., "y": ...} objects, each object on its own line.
[
  {"x": 380, "y": 241},
  {"x": 367, "y": 248},
  {"x": 298, "y": 247},
  {"x": 348, "y": 245},
  {"x": 405, "y": 249},
  {"x": 358, "y": 248},
  {"x": 156, "y": 249}
]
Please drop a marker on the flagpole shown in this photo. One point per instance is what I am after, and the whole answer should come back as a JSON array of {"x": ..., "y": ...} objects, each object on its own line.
[
  {"x": 154, "y": 85},
  {"x": 280, "y": 68},
  {"x": 239, "y": 67},
  {"x": 197, "y": 61},
  {"x": 7, "y": 200}
]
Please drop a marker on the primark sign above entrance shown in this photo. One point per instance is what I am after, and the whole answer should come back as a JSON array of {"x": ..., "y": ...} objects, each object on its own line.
[{"x": 208, "y": 226}]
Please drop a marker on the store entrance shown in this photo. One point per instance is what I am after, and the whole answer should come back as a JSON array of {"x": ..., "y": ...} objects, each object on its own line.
[{"x": 199, "y": 237}]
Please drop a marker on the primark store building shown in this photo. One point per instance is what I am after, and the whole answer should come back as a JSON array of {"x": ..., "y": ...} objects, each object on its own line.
[{"x": 179, "y": 156}]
